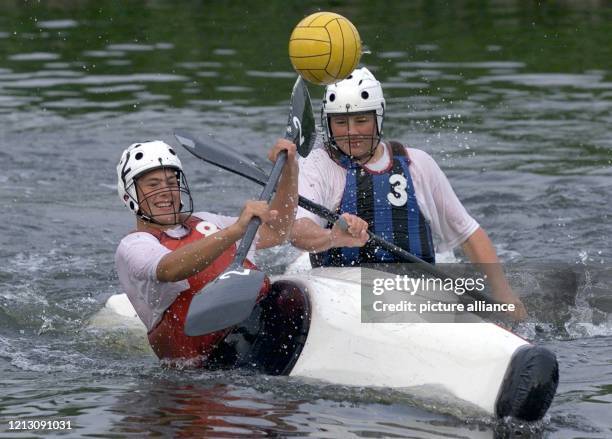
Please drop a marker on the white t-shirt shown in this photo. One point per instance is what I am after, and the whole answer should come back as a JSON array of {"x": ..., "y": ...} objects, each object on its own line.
[
  {"x": 322, "y": 180},
  {"x": 136, "y": 260}
]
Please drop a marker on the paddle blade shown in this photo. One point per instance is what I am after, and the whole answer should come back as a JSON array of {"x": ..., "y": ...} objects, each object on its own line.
[
  {"x": 301, "y": 124},
  {"x": 225, "y": 302},
  {"x": 215, "y": 152}
]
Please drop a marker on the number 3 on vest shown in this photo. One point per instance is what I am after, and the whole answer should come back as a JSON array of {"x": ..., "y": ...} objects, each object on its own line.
[{"x": 398, "y": 196}]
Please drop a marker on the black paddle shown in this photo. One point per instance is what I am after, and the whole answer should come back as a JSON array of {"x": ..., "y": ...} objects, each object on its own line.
[
  {"x": 230, "y": 298},
  {"x": 216, "y": 153}
]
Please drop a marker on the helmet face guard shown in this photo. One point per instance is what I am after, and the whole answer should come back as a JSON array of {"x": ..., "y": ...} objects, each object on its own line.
[
  {"x": 350, "y": 141},
  {"x": 137, "y": 161},
  {"x": 176, "y": 194},
  {"x": 359, "y": 93}
]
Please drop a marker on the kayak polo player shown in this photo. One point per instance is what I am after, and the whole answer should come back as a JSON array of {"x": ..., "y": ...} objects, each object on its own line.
[
  {"x": 174, "y": 252},
  {"x": 397, "y": 192}
]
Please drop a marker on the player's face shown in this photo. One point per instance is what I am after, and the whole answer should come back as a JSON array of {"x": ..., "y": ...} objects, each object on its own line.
[
  {"x": 159, "y": 195},
  {"x": 355, "y": 134}
]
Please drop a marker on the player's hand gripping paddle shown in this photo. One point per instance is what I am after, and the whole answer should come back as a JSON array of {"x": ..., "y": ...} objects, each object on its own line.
[{"x": 230, "y": 298}]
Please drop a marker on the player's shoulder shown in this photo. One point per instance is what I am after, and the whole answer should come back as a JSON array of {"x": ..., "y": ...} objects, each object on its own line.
[
  {"x": 423, "y": 166},
  {"x": 136, "y": 237},
  {"x": 418, "y": 155},
  {"x": 134, "y": 242},
  {"x": 422, "y": 160}
]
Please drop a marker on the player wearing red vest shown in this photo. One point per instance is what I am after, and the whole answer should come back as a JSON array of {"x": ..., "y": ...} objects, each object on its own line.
[{"x": 174, "y": 253}]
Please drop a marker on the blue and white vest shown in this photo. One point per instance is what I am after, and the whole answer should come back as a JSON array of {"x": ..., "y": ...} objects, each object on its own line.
[{"x": 386, "y": 201}]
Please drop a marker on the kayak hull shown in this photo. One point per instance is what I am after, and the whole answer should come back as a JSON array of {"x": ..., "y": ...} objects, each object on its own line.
[
  {"x": 468, "y": 361},
  {"x": 474, "y": 363}
]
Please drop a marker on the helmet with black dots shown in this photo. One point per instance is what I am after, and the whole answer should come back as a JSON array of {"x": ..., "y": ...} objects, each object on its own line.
[{"x": 140, "y": 158}]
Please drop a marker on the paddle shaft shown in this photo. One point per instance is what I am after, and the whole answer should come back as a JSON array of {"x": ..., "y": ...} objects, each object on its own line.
[
  {"x": 333, "y": 217},
  {"x": 300, "y": 113},
  {"x": 230, "y": 298},
  {"x": 255, "y": 222},
  {"x": 256, "y": 175},
  {"x": 386, "y": 245}
]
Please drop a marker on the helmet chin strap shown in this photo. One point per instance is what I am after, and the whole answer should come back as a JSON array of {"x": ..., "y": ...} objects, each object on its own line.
[
  {"x": 360, "y": 160},
  {"x": 338, "y": 155},
  {"x": 365, "y": 157}
]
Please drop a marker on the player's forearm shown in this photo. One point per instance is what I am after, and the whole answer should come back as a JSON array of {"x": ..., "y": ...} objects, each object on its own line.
[
  {"x": 311, "y": 237},
  {"x": 479, "y": 249},
  {"x": 193, "y": 258},
  {"x": 285, "y": 201}
]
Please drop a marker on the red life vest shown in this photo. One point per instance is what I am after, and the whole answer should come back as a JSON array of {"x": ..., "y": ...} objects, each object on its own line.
[{"x": 168, "y": 338}]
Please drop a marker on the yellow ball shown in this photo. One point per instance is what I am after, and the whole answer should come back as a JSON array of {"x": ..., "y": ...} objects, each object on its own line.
[{"x": 324, "y": 48}]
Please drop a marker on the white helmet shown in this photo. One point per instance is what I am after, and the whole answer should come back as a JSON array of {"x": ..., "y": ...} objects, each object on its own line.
[
  {"x": 140, "y": 158},
  {"x": 358, "y": 93}
]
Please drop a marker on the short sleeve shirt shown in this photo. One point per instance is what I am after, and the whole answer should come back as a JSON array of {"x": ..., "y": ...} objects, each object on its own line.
[{"x": 322, "y": 180}]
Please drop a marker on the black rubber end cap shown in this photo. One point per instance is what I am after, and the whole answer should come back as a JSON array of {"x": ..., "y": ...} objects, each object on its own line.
[{"x": 529, "y": 385}]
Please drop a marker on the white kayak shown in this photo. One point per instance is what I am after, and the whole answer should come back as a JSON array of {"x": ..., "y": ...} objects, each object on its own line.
[{"x": 478, "y": 366}]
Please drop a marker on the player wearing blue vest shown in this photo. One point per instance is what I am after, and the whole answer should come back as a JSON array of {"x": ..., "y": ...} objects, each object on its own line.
[{"x": 399, "y": 193}]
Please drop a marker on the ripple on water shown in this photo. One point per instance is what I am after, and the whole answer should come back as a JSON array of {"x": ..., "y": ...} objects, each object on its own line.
[
  {"x": 427, "y": 47},
  {"x": 234, "y": 88},
  {"x": 462, "y": 65},
  {"x": 57, "y": 24},
  {"x": 104, "y": 53},
  {"x": 544, "y": 80},
  {"x": 266, "y": 74},
  {"x": 199, "y": 64},
  {"x": 130, "y": 47},
  {"x": 207, "y": 74},
  {"x": 392, "y": 54},
  {"x": 225, "y": 52},
  {"x": 115, "y": 89},
  {"x": 10, "y": 102},
  {"x": 118, "y": 62},
  {"x": 73, "y": 78},
  {"x": 34, "y": 56},
  {"x": 57, "y": 65}
]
